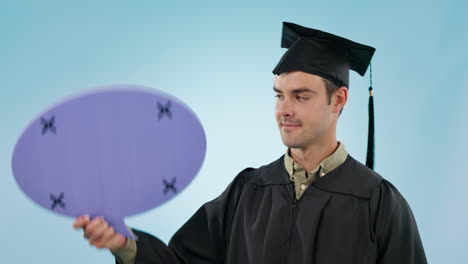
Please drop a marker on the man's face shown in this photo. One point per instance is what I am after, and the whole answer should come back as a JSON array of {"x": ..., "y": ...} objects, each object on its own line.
[{"x": 302, "y": 110}]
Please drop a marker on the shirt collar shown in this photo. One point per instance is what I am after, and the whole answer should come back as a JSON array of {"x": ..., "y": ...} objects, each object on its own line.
[{"x": 327, "y": 165}]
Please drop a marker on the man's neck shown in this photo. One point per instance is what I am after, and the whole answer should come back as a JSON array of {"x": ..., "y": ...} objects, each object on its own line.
[{"x": 309, "y": 158}]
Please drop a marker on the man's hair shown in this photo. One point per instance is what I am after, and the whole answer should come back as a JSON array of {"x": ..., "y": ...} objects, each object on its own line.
[{"x": 331, "y": 88}]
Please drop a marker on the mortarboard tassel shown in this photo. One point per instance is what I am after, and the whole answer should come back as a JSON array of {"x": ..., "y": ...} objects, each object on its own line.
[{"x": 370, "y": 138}]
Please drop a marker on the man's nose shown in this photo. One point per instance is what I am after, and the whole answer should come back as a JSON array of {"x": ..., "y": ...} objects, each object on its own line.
[{"x": 285, "y": 108}]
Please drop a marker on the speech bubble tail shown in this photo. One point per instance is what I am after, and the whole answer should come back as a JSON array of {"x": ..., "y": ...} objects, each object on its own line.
[{"x": 120, "y": 227}]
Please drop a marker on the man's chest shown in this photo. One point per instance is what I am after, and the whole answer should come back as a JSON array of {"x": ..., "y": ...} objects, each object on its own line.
[{"x": 271, "y": 226}]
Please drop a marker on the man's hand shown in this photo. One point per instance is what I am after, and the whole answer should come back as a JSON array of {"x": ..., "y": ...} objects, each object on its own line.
[{"x": 99, "y": 233}]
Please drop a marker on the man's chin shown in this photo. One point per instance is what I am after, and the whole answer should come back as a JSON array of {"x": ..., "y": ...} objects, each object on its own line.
[{"x": 292, "y": 144}]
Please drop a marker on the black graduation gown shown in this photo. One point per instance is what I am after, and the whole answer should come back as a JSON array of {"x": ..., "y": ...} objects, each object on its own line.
[{"x": 351, "y": 215}]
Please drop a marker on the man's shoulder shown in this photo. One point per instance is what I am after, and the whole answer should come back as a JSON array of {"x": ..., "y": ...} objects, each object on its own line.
[
  {"x": 350, "y": 178},
  {"x": 361, "y": 170},
  {"x": 269, "y": 174}
]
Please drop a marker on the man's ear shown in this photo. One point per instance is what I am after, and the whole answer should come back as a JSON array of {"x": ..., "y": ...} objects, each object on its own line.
[{"x": 340, "y": 97}]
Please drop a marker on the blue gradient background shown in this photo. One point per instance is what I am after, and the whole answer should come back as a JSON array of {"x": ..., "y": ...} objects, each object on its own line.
[{"x": 217, "y": 57}]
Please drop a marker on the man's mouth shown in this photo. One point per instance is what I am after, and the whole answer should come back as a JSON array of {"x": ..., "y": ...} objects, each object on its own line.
[{"x": 290, "y": 125}]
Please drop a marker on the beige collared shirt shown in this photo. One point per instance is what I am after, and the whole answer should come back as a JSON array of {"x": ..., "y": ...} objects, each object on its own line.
[
  {"x": 127, "y": 254},
  {"x": 302, "y": 179},
  {"x": 297, "y": 174}
]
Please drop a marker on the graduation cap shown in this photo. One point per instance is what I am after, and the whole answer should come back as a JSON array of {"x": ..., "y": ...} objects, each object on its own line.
[{"x": 330, "y": 57}]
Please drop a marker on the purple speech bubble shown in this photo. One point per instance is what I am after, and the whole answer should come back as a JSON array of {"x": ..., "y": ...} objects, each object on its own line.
[{"x": 114, "y": 152}]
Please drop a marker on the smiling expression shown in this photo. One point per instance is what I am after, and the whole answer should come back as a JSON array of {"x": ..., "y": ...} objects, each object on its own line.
[{"x": 303, "y": 112}]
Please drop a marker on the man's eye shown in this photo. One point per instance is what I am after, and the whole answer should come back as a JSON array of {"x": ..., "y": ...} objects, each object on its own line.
[
  {"x": 301, "y": 98},
  {"x": 279, "y": 96}
]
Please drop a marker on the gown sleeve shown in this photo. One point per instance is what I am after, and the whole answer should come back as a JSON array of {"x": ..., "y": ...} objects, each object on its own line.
[
  {"x": 202, "y": 239},
  {"x": 394, "y": 228}
]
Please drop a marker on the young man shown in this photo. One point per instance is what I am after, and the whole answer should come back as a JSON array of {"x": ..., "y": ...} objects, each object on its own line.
[{"x": 315, "y": 204}]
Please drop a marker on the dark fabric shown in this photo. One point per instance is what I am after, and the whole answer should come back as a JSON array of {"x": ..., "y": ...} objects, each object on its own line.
[
  {"x": 371, "y": 131},
  {"x": 321, "y": 53},
  {"x": 351, "y": 215}
]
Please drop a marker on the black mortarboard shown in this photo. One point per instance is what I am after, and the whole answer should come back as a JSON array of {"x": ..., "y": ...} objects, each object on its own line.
[{"x": 329, "y": 56}]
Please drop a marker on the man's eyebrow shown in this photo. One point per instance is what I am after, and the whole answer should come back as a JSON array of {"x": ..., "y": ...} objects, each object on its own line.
[
  {"x": 276, "y": 90},
  {"x": 302, "y": 90},
  {"x": 295, "y": 91}
]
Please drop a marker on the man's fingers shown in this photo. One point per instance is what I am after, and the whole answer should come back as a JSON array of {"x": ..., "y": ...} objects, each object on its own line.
[
  {"x": 105, "y": 240},
  {"x": 117, "y": 242},
  {"x": 94, "y": 226},
  {"x": 98, "y": 232},
  {"x": 81, "y": 221}
]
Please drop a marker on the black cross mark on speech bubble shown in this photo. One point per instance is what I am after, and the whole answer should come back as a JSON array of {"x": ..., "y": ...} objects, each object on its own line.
[
  {"x": 57, "y": 201},
  {"x": 48, "y": 125},
  {"x": 169, "y": 186},
  {"x": 164, "y": 110}
]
